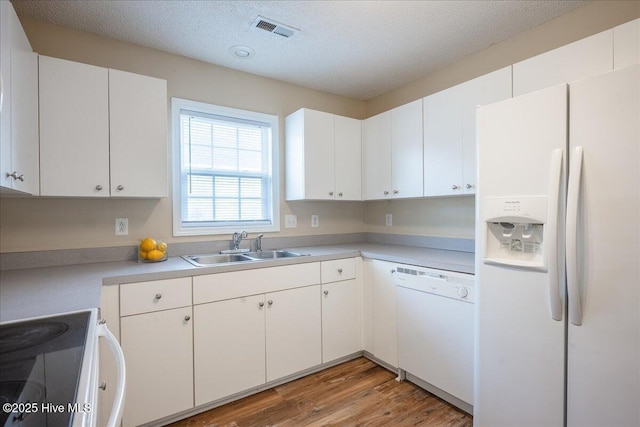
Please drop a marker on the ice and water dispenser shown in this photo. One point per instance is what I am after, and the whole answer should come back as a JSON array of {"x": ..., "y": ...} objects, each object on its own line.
[{"x": 514, "y": 228}]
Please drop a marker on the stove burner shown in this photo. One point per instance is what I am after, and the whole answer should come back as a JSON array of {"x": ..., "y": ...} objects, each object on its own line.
[
  {"x": 21, "y": 336},
  {"x": 10, "y": 392}
]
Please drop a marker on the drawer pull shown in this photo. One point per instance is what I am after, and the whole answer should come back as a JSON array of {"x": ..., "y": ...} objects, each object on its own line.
[
  {"x": 270, "y": 302},
  {"x": 187, "y": 318},
  {"x": 340, "y": 270},
  {"x": 261, "y": 304},
  {"x": 103, "y": 386},
  {"x": 326, "y": 292},
  {"x": 158, "y": 296}
]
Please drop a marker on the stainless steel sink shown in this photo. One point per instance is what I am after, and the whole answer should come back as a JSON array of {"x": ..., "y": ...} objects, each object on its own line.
[
  {"x": 272, "y": 254},
  {"x": 216, "y": 259},
  {"x": 209, "y": 260}
]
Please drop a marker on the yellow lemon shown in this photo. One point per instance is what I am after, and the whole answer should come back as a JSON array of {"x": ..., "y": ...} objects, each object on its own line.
[
  {"x": 162, "y": 246},
  {"x": 155, "y": 255},
  {"x": 143, "y": 254},
  {"x": 148, "y": 244}
]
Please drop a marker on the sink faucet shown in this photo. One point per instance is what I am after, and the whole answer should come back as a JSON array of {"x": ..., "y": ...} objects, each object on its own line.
[
  {"x": 259, "y": 242},
  {"x": 237, "y": 238}
]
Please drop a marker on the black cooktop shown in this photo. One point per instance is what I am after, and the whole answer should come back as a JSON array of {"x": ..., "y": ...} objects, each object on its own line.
[{"x": 40, "y": 365}]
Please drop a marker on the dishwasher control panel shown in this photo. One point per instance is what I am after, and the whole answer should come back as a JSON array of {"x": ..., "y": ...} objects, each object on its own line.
[{"x": 459, "y": 286}]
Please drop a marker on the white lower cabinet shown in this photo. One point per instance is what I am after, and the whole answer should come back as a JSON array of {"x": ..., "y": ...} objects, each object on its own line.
[
  {"x": 384, "y": 319},
  {"x": 340, "y": 309},
  {"x": 158, "y": 350},
  {"x": 293, "y": 336},
  {"x": 229, "y": 347}
]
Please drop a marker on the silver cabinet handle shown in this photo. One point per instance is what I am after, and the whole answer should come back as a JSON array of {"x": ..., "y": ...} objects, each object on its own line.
[
  {"x": 270, "y": 302},
  {"x": 395, "y": 191},
  {"x": 331, "y": 193},
  {"x": 454, "y": 187},
  {"x": 469, "y": 186},
  {"x": 260, "y": 304},
  {"x": 158, "y": 296},
  {"x": 340, "y": 270},
  {"x": 187, "y": 318},
  {"x": 120, "y": 187},
  {"x": 15, "y": 176},
  {"x": 20, "y": 178},
  {"x": 103, "y": 386},
  {"x": 326, "y": 292},
  {"x": 339, "y": 194},
  {"x": 392, "y": 271},
  {"x": 386, "y": 192},
  {"x": 99, "y": 187}
]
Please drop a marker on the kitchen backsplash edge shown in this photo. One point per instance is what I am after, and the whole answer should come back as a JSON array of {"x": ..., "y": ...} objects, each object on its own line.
[{"x": 51, "y": 258}]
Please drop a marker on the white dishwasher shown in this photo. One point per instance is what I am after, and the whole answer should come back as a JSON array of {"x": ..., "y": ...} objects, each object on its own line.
[{"x": 436, "y": 332}]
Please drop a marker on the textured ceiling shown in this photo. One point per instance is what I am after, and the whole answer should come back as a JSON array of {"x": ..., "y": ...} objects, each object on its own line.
[{"x": 358, "y": 49}]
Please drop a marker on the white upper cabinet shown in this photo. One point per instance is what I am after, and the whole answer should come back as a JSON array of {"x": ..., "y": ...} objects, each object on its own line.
[
  {"x": 19, "y": 156},
  {"x": 138, "y": 135},
  {"x": 393, "y": 153},
  {"x": 450, "y": 132},
  {"x": 486, "y": 89},
  {"x": 323, "y": 156},
  {"x": 102, "y": 132},
  {"x": 443, "y": 142},
  {"x": 406, "y": 150},
  {"x": 584, "y": 58},
  {"x": 626, "y": 44},
  {"x": 376, "y": 155},
  {"x": 74, "y": 129}
]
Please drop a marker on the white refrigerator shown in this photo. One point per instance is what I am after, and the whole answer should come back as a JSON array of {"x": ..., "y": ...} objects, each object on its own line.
[{"x": 557, "y": 256}]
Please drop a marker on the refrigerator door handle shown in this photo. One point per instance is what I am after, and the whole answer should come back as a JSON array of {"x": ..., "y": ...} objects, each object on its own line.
[
  {"x": 573, "y": 195},
  {"x": 555, "y": 301}
]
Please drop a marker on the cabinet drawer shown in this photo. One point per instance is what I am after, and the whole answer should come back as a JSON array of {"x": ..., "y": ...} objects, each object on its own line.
[
  {"x": 145, "y": 297},
  {"x": 222, "y": 286},
  {"x": 339, "y": 269}
]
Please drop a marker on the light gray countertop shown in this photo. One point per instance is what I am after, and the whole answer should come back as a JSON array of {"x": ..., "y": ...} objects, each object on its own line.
[{"x": 49, "y": 290}]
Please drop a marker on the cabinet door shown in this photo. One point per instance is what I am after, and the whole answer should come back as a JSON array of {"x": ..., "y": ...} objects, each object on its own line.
[
  {"x": 229, "y": 347},
  {"x": 158, "y": 349},
  {"x": 626, "y": 44},
  {"x": 443, "y": 142},
  {"x": 74, "y": 129},
  {"x": 24, "y": 110},
  {"x": 406, "y": 150},
  {"x": 319, "y": 155},
  {"x": 385, "y": 336},
  {"x": 339, "y": 320},
  {"x": 138, "y": 135},
  {"x": 584, "y": 58},
  {"x": 376, "y": 156},
  {"x": 293, "y": 337},
  {"x": 492, "y": 87},
  {"x": 348, "y": 158},
  {"x": 5, "y": 96}
]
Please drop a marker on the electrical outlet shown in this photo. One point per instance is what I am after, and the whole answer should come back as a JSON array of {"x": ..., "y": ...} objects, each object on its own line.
[
  {"x": 122, "y": 226},
  {"x": 389, "y": 220},
  {"x": 315, "y": 221},
  {"x": 290, "y": 221}
]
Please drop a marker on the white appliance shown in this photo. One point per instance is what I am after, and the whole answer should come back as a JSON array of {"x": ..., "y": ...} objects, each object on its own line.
[
  {"x": 435, "y": 331},
  {"x": 49, "y": 371},
  {"x": 559, "y": 190}
]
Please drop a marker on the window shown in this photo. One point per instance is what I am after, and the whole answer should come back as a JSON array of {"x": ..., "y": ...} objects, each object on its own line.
[{"x": 224, "y": 163}]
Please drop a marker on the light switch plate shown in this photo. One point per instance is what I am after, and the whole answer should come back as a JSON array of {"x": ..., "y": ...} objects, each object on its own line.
[
  {"x": 290, "y": 221},
  {"x": 389, "y": 220},
  {"x": 315, "y": 221}
]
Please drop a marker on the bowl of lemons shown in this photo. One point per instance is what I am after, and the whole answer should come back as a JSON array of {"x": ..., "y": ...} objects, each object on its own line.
[{"x": 151, "y": 251}]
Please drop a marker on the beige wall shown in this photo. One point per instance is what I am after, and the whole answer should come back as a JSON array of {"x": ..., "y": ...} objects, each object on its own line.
[{"x": 29, "y": 224}]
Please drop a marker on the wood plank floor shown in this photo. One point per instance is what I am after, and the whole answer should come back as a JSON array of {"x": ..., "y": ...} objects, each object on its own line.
[{"x": 355, "y": 393}]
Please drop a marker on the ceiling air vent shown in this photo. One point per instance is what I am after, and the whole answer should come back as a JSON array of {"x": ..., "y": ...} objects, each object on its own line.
[{"x": 274, "y": 27}]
